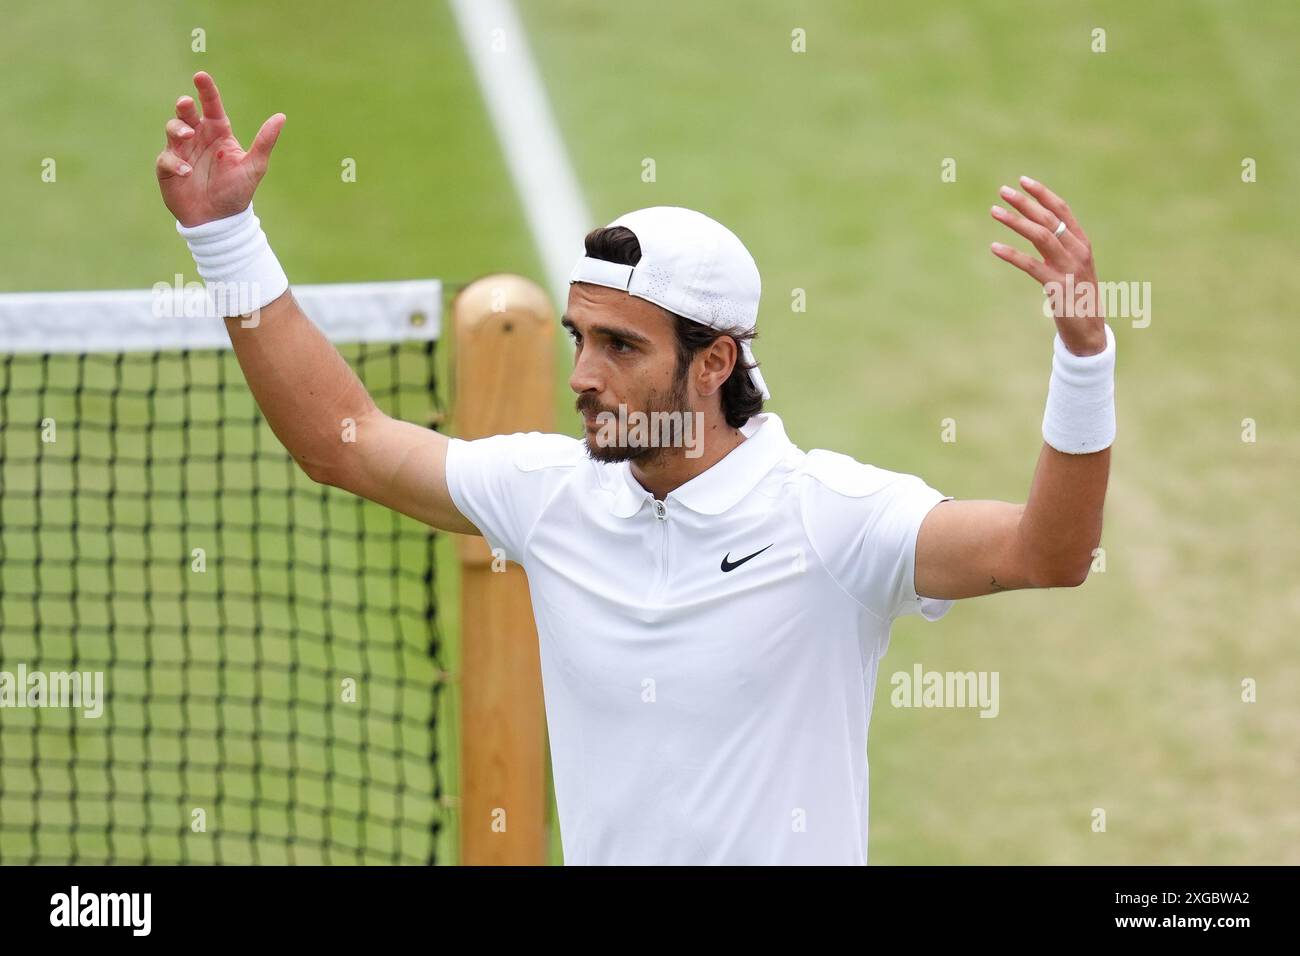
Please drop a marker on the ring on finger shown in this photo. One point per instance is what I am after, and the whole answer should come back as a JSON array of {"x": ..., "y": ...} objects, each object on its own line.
[{"x": 1060, "y": 229}]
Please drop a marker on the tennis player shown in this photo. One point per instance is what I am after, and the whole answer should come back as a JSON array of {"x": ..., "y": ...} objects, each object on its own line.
[{"x": 711, "y": 624}]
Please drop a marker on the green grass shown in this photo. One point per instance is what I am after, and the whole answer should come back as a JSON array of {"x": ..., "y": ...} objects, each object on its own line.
[{"x": 1122, "y": 695}]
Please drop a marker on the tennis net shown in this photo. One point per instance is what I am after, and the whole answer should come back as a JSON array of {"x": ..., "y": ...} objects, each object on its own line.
[{"x": 267, "y": 649}]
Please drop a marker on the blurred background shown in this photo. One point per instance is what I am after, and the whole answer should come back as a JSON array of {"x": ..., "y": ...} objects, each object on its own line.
[{"x": 1124, "y": 694}]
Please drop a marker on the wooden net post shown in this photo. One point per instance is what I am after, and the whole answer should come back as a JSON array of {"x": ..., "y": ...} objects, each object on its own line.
[{"x": 504, "y": 330}]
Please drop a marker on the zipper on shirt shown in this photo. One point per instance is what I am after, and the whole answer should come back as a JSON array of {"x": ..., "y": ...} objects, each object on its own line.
[{"x": 661, "y": 515}]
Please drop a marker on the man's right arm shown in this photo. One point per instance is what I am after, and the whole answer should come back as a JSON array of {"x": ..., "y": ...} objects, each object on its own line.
[
  {"x": 313, "y": 400},
  {"x": 310, "y": 396}
]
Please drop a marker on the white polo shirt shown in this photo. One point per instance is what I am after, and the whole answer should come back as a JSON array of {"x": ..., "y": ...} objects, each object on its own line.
[{"x": 708, "y": 661}]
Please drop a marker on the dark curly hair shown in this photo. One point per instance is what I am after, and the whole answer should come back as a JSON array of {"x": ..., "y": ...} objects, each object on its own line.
[{"x": 741, "y": 399}]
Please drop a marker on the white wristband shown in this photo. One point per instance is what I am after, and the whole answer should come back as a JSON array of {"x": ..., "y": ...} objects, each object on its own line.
[
  {"x": 236, "y": 262},
  {"x": 1080, "y": 414}
]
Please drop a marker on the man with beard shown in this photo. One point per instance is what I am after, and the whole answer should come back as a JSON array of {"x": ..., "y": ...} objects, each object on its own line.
[{"x": 710, "y": 625}]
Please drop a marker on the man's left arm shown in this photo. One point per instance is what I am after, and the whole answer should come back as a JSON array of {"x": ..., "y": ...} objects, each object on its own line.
[{"x": 968, "y": 548}]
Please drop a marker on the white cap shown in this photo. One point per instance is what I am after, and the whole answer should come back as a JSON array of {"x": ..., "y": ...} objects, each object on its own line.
[{"x": 690, "y": 265}]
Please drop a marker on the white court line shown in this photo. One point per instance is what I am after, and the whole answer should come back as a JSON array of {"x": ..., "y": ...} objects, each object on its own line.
[{"x": 556, "y": 212}]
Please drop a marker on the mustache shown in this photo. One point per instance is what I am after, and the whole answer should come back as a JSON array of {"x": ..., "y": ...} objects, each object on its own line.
[
  {"x": 672, "y": 400},
  {"x": 589, "y": 406}
]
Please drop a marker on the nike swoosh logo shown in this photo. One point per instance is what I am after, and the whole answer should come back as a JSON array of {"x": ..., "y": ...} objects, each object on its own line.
[{"x": 729, "y": 565}]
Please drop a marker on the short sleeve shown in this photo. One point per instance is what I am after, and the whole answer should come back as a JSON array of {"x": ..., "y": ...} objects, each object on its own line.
[
  {"x": 502, "y": 484},
  {"x": 863, "y": 522}
]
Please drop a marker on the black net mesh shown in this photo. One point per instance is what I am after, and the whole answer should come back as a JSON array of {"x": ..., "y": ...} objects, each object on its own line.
[{"x": 268, "y": 647}]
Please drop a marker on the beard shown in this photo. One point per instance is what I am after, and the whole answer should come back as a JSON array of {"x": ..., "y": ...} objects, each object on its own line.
[{"x": 599, "y": 448}]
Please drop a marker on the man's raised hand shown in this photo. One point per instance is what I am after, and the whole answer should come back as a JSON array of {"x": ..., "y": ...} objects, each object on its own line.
[
  {"x": 204, "y": 173},
  {"x": 1044, "y": 218}
]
